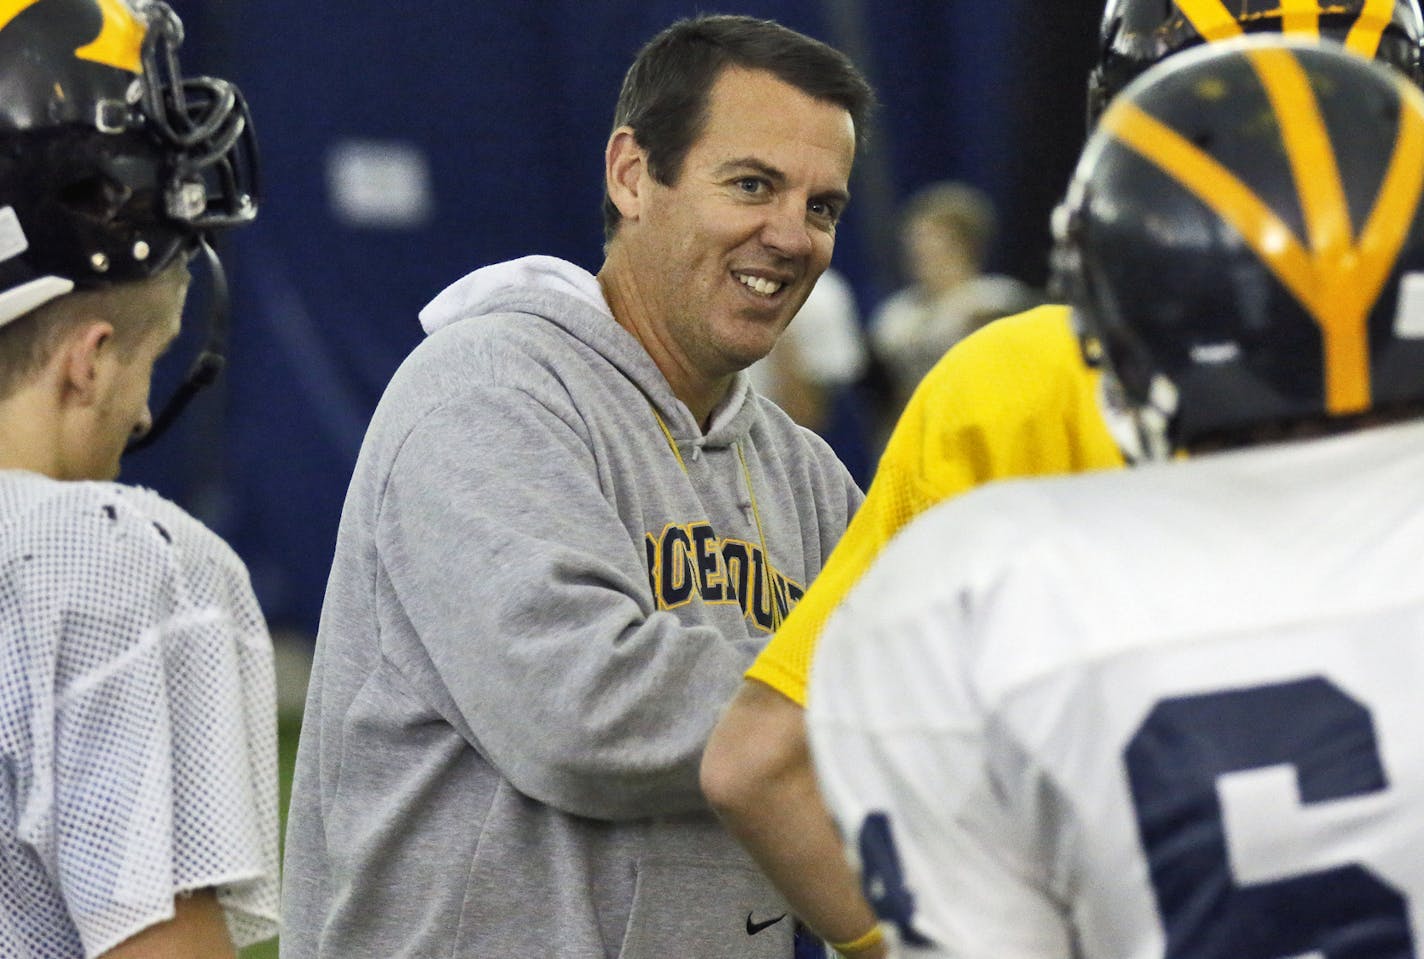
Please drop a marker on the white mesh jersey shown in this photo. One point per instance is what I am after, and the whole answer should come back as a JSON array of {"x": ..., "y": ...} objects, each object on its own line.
[
  {"x": 137, "y": 721},
  {"x": 1174, "y": 711}
]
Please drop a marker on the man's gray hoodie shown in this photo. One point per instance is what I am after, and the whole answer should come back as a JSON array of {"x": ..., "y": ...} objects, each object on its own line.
[{"x": 547, "y": 583}]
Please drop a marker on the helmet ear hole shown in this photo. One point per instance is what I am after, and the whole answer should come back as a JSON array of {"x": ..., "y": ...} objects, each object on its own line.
[{"x": 95, "y": 198}]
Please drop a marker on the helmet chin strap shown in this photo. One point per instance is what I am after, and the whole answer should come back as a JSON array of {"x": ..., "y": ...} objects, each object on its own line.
[{"x": 209, "y": 362}]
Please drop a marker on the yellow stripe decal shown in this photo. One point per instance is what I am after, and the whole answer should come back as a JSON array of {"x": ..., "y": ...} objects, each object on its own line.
[
  {"x": 1312, "y": 157},
  {"x": 1210, "y": 18},
  {"x": 10, "y": 9},
  {"x": 120, "y": 42},
  {"x": 1393, "y": 215},
  {"x": 1215, "y": 186},
  {"x": 1364, "y": 37},
  {"x": 1337, "y": 309},
  {"x": 1300, "y": 17},
  {"x": 1214, "y": 21},
  {"x": 1336, "y": 279}
]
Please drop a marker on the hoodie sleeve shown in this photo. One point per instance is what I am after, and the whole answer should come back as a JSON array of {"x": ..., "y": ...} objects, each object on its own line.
[{"x": 532, "y": 601}]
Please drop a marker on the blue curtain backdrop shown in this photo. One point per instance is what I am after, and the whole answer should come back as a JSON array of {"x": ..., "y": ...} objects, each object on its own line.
[{"x": 489, "y": 119}]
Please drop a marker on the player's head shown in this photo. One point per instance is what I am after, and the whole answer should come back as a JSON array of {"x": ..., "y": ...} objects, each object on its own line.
[
  {"x": 113, "y": 165},
  {"x": 666, "y": 91},
  {"x": 946, "y": 230},
  {"x": 75, "y": 374},
  {"x": 1242, "y": 245},
  {"x": 1135, "y": 34}
]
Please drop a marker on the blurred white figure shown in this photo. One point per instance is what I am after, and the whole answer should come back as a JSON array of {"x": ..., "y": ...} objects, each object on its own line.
[{"x": 821, "y": 351}]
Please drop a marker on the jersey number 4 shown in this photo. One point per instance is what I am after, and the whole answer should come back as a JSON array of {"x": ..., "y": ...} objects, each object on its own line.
[{"x": 1173, "y": 764}]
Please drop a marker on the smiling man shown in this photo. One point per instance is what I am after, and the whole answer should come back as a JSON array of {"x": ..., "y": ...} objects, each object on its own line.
[{"x": 571, "y": 528}]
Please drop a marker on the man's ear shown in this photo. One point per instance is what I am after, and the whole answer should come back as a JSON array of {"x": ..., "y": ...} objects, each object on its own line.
[
  {"x": 79, "y": 358},
  {"x": 626, "y": 172}
]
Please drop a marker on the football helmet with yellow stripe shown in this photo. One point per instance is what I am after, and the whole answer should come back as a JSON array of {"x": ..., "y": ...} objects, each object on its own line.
[{"x": 1242, "y": 244}]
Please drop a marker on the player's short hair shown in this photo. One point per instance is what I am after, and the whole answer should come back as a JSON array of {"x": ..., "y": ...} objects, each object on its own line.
[
  {"x": 28, "y": 342},
  {"x": 665, "y": 92}
]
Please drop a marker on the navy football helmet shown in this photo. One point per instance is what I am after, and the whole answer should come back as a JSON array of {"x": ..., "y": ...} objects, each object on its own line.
[
  {"x": 1135, "y": 34},
  {"x": 1242, "y": 245}
]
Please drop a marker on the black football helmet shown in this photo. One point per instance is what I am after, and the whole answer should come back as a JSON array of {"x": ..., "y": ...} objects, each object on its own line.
[
  {"x": 1135, "y": 34},
  {"x": 112, "y": 163},
  {"x": 1242, "y": 245}
]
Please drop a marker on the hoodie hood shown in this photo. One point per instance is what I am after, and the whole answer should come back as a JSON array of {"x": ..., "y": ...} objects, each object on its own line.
[
  {"x": 478, "y": 292},
  {"x": 571, "y": 298}
]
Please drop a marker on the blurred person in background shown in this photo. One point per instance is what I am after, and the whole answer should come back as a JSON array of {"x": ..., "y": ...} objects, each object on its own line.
[
  {"x": 821, "y": 353},
  {"x": 138, "y": 748},
  {"x": 946, "y": 231}
]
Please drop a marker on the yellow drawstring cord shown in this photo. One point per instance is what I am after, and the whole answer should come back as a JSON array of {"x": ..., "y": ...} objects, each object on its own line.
[{"x": 769, "y": 583}]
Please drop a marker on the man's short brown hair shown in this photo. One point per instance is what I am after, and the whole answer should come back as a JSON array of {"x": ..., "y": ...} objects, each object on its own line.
[{"x": 665, "y": 93}]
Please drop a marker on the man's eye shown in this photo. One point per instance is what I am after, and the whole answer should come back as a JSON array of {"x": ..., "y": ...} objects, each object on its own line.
[
  {"x": 750, "y": 184},
  {"x": 825, "y": 211}
]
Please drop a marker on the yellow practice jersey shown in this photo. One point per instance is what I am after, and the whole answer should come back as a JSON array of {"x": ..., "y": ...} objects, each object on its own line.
[{"x": 1013, "y": 399}]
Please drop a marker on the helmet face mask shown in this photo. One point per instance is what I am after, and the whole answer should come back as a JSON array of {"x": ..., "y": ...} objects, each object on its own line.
[
  {"x": 206, "y": 124},
  {"x": 111, "y": 162},
  {"x": 1236, "y": 239}
]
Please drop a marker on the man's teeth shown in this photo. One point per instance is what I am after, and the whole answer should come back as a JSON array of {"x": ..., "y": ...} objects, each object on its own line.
[{"x": 757, "y": 285}]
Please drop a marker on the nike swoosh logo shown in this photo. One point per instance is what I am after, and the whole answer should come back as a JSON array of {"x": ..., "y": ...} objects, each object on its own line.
[{"x": 755, "y": 927}]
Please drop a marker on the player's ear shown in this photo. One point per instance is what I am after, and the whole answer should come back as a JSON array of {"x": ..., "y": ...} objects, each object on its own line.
[
  {"x": 79, "y": 360},
  {"x": 626, "y": 172}
]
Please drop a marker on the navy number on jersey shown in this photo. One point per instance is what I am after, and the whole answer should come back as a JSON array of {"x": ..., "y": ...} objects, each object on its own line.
[
  {"x": 883, "y": 880},
  {"x": 1173, "y": 764}
]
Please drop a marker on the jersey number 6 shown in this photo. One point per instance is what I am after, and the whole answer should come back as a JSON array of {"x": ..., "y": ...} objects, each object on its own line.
[{"x": 1173, "y": 763}]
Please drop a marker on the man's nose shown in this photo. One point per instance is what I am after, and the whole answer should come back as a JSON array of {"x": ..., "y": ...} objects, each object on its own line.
[{"x": 787, "y": 230}]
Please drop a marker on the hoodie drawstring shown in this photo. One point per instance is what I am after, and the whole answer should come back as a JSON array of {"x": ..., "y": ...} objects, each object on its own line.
[
  {"x": 667, "y": 435},
  {"x": 768, "y": 582}
]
